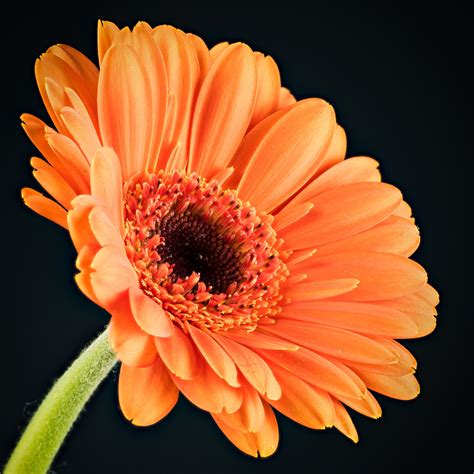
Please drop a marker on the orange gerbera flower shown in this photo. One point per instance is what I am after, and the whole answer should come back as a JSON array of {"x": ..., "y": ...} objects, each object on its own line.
[{"x": 244, "y": 261}]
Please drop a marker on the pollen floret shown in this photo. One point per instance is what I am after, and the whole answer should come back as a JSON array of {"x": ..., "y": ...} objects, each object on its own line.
[{"x": 207, "y": 257}]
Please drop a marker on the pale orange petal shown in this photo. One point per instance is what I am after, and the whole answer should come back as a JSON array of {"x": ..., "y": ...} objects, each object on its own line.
[
  {"x": 250, "y": 417},
  {"x": 179, "y": 354},
  {"x": 183, "y": 74},
  {"x": 263, "y": 443},
  {"x": 303, "y": 403},
  {"x": 53, "y": 182},
  {"x": 314, "y": 369},
  {"x": 143, "y": 42},
  {"x": 381, "y": 275},
  {"x": 146, "y": 395},
  {"x": 68, "y": 68},
  {"x": 260, "y": 340},
  {"x": 291, "y": 214},
  {"x": 405, "y": 387},
  {"x": 268, "y": 88},
  {"x": 45, "y": 207},
  {"x": 394, "y": 235},
  {"x": 253, "y": 367},
  {"x": 149, "y": 315},
  {"x": 78, "y": 221},
  {"x": 333, "y": 341},
  {"x": 215, "y": 356},
  {"x": 106, "y": 32},
  {"x": 125, "y": 105},
  {"x": 342, "y": 212},
  {"x": 285, "y": 98},
  {"x": 209, "y": 392},
  {"x": 316, "y": 290},
  {"x": 344, "y": 423},
  {"x": 223, "y": 110},
  {"x": 106, "y": 184},
  {"x": 336, "y": 151},
  {"x": 359, "y": 317},
  {"x": 113, "y": 275},
  {"x": 35, "y": 129},
  {"x": 104, "y": 230},
  {"x": 286, "y": 155},
  {"x": 132, "y": 346},
  {"x": 82, "y": 131},
  {"x": 202, "y": 53},
  {"x": 353, "y": 170}
]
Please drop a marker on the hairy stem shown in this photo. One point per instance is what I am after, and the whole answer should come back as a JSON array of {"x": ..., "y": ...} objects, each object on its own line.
[{"x": 57, "y": 413}]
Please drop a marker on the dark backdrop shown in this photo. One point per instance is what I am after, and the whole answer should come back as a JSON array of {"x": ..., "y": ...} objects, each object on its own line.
[{"x": 398, "y": 78}]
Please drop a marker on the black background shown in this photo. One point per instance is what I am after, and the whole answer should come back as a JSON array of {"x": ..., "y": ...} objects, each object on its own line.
[{"x": 398, "y": 77}]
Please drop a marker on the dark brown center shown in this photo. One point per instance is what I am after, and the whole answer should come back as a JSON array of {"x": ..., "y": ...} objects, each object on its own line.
[{"x": 192, "y": 244}]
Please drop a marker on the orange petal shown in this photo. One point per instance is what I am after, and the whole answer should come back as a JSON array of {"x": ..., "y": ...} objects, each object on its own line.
[
  {"x": 291, "y": 214},
  {"x": 359, "y": 317},
  {"x": 106, "y": 183},
  {"x": 209, "y": 392},
  {"x": 394, "y": 235},
  {"x": 367, "y": 406},
  {"x": 333, "y": 341},
  {"x": 202, "y": 53},
  {"x": 35, "y": 129},
  {"x": 179, "y": 354},
  {"x": 124, "y": 106},
  {"x": 146, "y": 395},
  {"x": 403, "y": 210},
  {"x": 260, "y": 340},
  {"x": 53, "y": 182},
  {"x": 344, "y": 423},
  {"x": 223, "y": 110},
  {"x": 253, "y": 368},
  {"x": 132, "y": 346},
  {"x": 381, "y": 275},
  {"x": 286, "y": 155},
  {"x": 150, "y": 55},
  {"x": 285, "y": 98},
  {"x": 405, "y": 365},
  {"x": 106, "y": 32},
  {"x": 45, "y": 207},
  {"x": 250, "y": 417},
  {"x": 353, "y": 170},
  {"x": 182, "y": 69},
  {"x": 78, "y": 221},
  {"x": 311, "y": 291},
  {"x": 82, "y": 131},
  {"x": 113, "y": 275},
  {"x": 68, "y": 68},
  {"x": 429, "y": 294},
  {"x": 336, "y": 151},
  {"x": 217, "y": 49},
  {"x": 314, "y": 369},
  {"x": 215, "y": 356},
  {"x": 342, "y": 212},
  {"x": 106, "y": 233},
  {"x": 303, "y": 403},
  {"x": 268, "y": 88},
  {"x": 71, "y": 154},
  {"x": 263, "y": 443},
  {"x": 149, "y": 315},
  {"x": 405, "y": 387}
]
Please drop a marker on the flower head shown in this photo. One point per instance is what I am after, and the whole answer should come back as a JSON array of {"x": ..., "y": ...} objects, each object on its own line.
[{"x": 244, "y": 261}]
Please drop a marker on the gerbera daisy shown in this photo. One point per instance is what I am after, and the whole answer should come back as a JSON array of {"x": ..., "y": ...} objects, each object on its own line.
[{"x": 245, "y": 262}]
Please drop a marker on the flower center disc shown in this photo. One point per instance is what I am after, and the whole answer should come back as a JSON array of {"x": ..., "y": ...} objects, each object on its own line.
[{"x": 208, "y": 258}]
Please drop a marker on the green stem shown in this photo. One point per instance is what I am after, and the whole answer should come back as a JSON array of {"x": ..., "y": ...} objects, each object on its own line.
[{"x": 54, "y": 418}]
